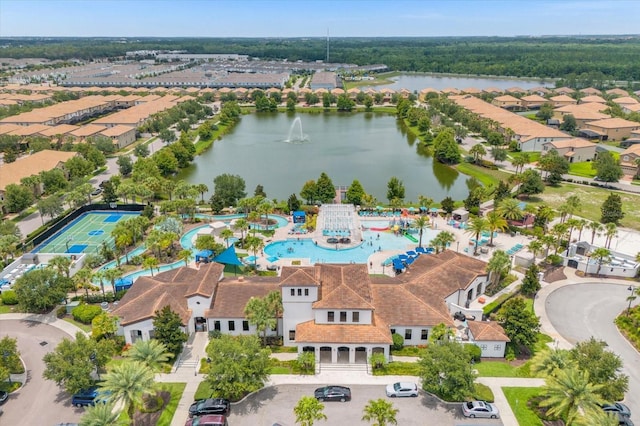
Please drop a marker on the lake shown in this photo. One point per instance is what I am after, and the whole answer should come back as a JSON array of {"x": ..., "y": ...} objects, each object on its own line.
[
  {"x": 370, "y": 147},
  {"x": 417, "y": 82}
]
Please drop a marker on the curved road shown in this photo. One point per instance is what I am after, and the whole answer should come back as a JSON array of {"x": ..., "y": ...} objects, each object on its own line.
[
  {"x": 39, "y": 401},
  {"x": 580, "y": 311}
]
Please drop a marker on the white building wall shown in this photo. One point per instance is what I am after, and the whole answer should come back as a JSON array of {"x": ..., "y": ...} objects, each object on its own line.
[
  {"x": 198, "y": 304},
  {"x": 321, "y": 316},
  {"x": 238, "y": 327},
  {"x": 477, "y": 289},
  {"x": 416, "y": 334},
  {"x": 296, "y": 303},
  {"x": 492, "y": 349},
  {"x": 143, "y": 326}
]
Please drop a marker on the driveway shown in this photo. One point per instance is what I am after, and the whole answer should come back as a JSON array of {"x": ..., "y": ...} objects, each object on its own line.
[
  {"x": 275, "y": 405},
  {"x": 580, "y": 311},
  {"x": 38, "y": 399}
]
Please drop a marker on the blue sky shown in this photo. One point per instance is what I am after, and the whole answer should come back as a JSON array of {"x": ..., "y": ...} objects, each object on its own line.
[{"x": 312, "y": 18}]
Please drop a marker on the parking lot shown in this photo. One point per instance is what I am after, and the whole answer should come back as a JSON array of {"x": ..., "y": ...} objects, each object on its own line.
[{"x": 275, "y": 405}]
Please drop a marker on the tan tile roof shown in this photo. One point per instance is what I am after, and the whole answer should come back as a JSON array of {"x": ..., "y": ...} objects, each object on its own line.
[
  {"x": 564, "y": 90},
  {"x": 377, "y": 332},
  {"x": 117, "y": 130},
  {"x": 515, "y": 90},
  {"x": 562, "y": 98},
  {"x": 429, "y": 90},
  {"x": 88, "y": 130},
  {"x": 613, "y": 123},
  {"x": 149, "y": 294},
  {"x": 539, "y": 89},
  {"x": 584, "y": 111},
  {"x": 32, "y": 165},
  {"x": 493, "y": 90},
  {"x": 60, "y": 129},
  {"x": 571, "y": 143},
  {"x": 506, "y": 98},
  {"x": 487, "y": 331},
  {"x": 633, "y": 149},
  {"x": 8, "y": 128},
  {"x": 298, "y": 276},
  {"x": 591, "y": 91},
  {"x": 625, "y": 100},
  {"x": 452, "y": 90},
  {"x": 534, "y": 98},
  {"x": 472, "y": 90},
  {"x": 398, "y": 306},
  {"x": 30, "y": 130},
  {"x": 593, "y": 98},
  {"x": 354, "y": 277},
  {"x": 231, "y": 297},
  {"x": 618, "y": 92}
]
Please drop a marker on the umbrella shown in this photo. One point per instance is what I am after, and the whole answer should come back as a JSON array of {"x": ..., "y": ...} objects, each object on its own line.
[
  {"x": 411, "y": 253},
  {"x": 434, "y": 209},
  {"x": 420, "y": 250},
  {"x": 379, "y": 207},
  {"x": 423, "y": 209},
  {"x": 403, "y": 257},
  {"x": 410, "y": 260},
  {"x": 397, "y": 264},
  {"x": 412, "y": 209}
]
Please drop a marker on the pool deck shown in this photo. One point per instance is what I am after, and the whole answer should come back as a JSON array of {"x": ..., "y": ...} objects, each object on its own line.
[{"x": 501, "y": 242}]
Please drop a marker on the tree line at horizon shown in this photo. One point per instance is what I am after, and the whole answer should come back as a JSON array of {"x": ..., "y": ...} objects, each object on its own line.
[{"x": 610, "y": 58}]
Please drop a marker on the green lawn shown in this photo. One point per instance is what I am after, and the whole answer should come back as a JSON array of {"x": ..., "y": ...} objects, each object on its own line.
[
  {"x": 7, "y": 309},
  {"x": 397, "y": 368},
  {"x": 84, "y": 327},
  {"x": 518, "y": 398},
  {"x": 176, "y": 390},
  {"x": 533, "y": 156},
  {"x": 484, "y": 175},
  {"x": 500, "y": 369},
  {"x": 583, "y": 169},
  {"x": 592, "y": 199},
  {"x": 204, "y": 391}
]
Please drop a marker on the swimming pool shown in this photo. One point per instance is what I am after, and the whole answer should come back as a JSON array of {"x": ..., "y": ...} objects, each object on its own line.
[
  {"x": 280, "y": 221},
  {"x": 372, "y": 242}
]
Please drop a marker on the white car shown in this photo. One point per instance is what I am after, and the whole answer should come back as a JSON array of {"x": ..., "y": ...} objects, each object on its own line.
[
  {"x": 480, "y": 409},
  {"x": 402, "y": 389}
]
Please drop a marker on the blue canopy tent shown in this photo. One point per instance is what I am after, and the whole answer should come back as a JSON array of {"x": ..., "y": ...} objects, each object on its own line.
[
  {"x": 403, "y": 257},
  {"x": 204, "y": 256},
  {"x": 123, "y": 284},
  {"x": 421, "y": 250},
  {"x": 299, "y": 216},
  {"x": 228, "y": 257},
  {"x": 410, "y": 260}
]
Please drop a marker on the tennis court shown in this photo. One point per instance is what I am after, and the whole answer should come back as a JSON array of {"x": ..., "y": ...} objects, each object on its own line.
[{"x": 85, "y": 234}]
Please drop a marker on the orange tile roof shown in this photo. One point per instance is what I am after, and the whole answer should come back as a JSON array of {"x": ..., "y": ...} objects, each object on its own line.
[
  {"x": 231, "y": 297},
  {"x": 117, "y": 130},
  {"x": 591, "y": 91},
  {"x": 593, "y": 98},
  {"x": 398, "y": 306},
  {"x": 618, "y": 92},
  {"x": 571, "y": 143},
  {"x": 32, "y": 165},
  {"x": 625, "y": 100},
  {"x": 376, "y": 332},
  {"x": 612, "y": 123},
  {"x": 487, "y": 331}
]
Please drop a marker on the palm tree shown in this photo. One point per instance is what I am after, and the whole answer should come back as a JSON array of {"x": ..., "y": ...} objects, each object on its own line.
[
  {"x": 573, "y": 203},
  {"x": 151, "y": 353},
  {"x": 308, "y": 410},
  {"x": 226, "y": 234},
  {"x": 186, "y": 255},
  {"x": 128, "y": 382},
  {"x": 425, "y": 202},
  {"x": 442, "y": 240},
  {"x": 549, "y": 362},
  {"x": 202, "y": 188},
  {"x": 478, "y": 152},
  {"x": 535, "y": 247},
  {"x": 421, "y": 222},
  {"x": 498, "y": 264},
  {"x": 82, "y": 279},
  {"x": 241, "y": 225},
  {"x": 572, "y": 223},
  {"x": 544, "y": 214},
  {"x": 509, "y": 208},
  {"x": 101, "y": 414},
  {"x": 548, "y": 241},
  {"x": 150, "y": 263},
  {"x": 62, "y": 265},
  {"x": 112, "y": 274},
  {"x": 495, "y": 222},
  {"x": 596, "y": 228},
  {"x": 610, "y": 231},
  {"x": 477, "y": 225},
  {"x": 559, "y": 230},
  {"x": 380, "y": 412},
  {"x": 569, "y": 393},
  {"x": 253, "y": 245},
  {"x": 597, "y": 417},
  {"x": 602, "y": 255},
  {"x": 265, "y": 208},
  {"x": 582, "y": 223}
]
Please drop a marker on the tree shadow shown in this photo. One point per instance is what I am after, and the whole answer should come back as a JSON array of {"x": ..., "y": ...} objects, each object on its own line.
[{"x": 255, "y": 401}]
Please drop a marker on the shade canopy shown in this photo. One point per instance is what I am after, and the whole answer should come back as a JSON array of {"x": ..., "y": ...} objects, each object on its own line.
[
  {"x": 397, "y": 264},
  {"x": 228, "y": 257}
]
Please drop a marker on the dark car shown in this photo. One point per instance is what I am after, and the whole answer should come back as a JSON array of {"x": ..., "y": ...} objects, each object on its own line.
[
  {"x": 209, "y": 406},
  {"x": 96, "y": 192},
  {"x": 624, "y": 421},
  {"x": 3, "y": 396},
  {"x": 88, "y": 397},
  {"x": 617, "y": 407},
  {"x": 333, "y": 393},
  {"x": 209, "y": 420}
]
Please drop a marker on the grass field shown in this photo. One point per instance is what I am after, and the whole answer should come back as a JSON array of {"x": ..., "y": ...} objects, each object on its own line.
[
  {"x": 518, "y": 398},
  {"x": 484, "y": 175},
  {"x": 592, "y": 199},
  {"x": 583, "y": 169},
  {"x": 84, "y": 234},
  {"x": 499, "y": 369}
]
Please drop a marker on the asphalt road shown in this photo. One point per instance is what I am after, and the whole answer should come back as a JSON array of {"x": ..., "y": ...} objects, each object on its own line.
[
  {"x": 39, "y": 401},
  {"x": 275, "y": 405},
  {"x": 583, "y": 310}
]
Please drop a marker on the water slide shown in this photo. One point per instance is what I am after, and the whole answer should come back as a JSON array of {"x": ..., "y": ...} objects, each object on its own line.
[{"x": 411, "y": 237}]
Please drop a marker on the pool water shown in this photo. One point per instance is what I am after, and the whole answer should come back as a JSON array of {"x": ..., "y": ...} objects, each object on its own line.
[{"x": 373, "y": 241}]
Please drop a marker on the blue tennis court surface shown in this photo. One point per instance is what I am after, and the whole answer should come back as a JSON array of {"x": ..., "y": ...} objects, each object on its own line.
[{"x": 85, "y": 234}]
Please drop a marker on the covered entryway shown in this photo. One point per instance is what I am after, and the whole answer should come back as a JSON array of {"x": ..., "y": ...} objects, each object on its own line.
[
  {"x": 361, "y": 355},
  {"x": 325, "y": 354},
  {"x": 343, "y": 355},
  {"x": 572, "y": 264}
]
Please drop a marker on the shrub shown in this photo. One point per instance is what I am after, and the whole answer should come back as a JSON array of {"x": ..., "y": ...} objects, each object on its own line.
[
  {"x": 474, "y": 352},
  {"x": 307, "y": 362},
  {"x": 61, "y": 312},
  {"x": 85, "y": 313},
  {"x": 510, "y": 354},
  {"x": 554, "y": 259},
  {"x": 9, "y": 297},
  {"x": 377, "y": 361},
  {"x": 398, "y": 341}
]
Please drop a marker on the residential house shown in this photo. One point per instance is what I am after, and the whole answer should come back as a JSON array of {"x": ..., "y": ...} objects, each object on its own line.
[
  {"x": 324, "y": 80},
  {"x": 507, "y": 102},
  {"x": 628, "y": 159},
  {"x": 590, "y": 91},
  {"x": 564, "y": 91},
  {"x": 583, "y": 113},
  {"x": 574, "y": 150},
  {"x": 625, "y": 100},
  {"x": 613, "y": 128},
  {"x": 617, "y": 92},
  {"x": 533, "y": 101},
  {"x": 45, "y": 160},
  {"x": 120, "y": 135},
  {"x": 579, "y": 256},
  {"x": 593, "y": 98},
  {"x": 562, "y": 100}
]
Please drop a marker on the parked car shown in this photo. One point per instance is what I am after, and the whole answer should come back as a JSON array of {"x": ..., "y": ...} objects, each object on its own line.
[
  {"x": 96, "y": 192},
  {"x": 209, "y": 406},
  {"x": 402, "y": 389},
  {"x": 88, "y": 397},
  {"x": 617, "y": 407},
  {"x": 333, "y": 393},
  {"x": 208, "y": 420},
  {"x": 624, "y": 421},
  {"x": 4, "y": 395},
  {"x": 480, "y": 409}
]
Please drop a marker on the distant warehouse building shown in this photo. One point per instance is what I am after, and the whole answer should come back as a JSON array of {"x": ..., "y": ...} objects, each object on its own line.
[{"x": 324, "y": 80}]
